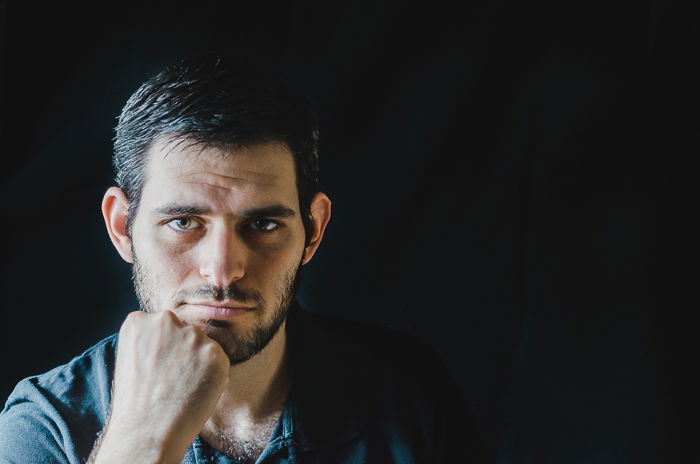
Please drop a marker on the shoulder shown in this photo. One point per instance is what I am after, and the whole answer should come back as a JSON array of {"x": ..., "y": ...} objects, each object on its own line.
[
  {"x": 395, "y": 384},
  {"x": 62, "y": 409},
  {"x": 84, "y": 379}
]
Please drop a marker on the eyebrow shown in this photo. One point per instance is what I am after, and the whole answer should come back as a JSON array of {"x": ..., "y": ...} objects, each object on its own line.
[{"x": 176, "y": 209}]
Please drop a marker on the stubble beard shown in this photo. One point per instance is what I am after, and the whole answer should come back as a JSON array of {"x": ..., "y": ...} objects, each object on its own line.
[{"x": 238, "y": 347}]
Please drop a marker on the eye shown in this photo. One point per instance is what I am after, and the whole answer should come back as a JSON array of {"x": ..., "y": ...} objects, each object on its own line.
[
  {"x": 183, "y": 224},
  {"x": 264, "y": 225}
]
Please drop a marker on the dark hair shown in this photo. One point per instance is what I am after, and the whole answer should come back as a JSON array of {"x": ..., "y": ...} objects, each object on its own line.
[{"x": 212, "y": 102}]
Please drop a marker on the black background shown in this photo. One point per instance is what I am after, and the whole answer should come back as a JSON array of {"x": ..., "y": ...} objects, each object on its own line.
[{"x": 509, "y": 183}]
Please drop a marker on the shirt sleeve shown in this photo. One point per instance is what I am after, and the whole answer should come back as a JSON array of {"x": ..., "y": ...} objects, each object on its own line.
[{"x": 31, "y": 431}]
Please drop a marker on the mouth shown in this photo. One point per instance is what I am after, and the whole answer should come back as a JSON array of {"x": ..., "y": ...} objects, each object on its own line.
[{"x": 220, "y": 310}]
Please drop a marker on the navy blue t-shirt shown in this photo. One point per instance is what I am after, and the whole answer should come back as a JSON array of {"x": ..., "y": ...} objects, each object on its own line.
[{"x": 361, "y": 394}]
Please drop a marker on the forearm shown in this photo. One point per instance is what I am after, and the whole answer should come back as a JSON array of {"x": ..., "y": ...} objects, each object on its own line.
[
  {"x": 117, "y": 444},
  {"x": 168, "y": 379}
]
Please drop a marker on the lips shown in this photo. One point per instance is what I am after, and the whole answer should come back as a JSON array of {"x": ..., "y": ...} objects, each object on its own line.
[{"x": 220, "y": 310}]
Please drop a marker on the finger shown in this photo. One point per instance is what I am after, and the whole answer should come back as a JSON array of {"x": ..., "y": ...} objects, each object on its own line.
[{"x": 168, "y": 313}]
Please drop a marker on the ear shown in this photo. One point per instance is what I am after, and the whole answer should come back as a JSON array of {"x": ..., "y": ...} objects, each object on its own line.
[
  {"x": 115, "y": 208},
  {"x": 321, "y": 214}
]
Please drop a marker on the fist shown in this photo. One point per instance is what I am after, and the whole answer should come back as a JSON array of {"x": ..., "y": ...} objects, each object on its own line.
[{"x": 168, "y": 379}]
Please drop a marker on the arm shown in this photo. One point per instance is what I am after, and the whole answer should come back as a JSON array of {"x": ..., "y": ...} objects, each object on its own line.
[{"x": 167, "y": 381}]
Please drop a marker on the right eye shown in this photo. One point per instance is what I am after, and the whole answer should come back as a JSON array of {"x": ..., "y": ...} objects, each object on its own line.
[{"x": 183, "y": 224}]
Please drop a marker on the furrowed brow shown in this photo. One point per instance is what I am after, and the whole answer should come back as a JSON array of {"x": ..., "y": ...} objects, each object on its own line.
[
  {"x": 274, "y": 211},
  {"x": 176, "y": 209}
]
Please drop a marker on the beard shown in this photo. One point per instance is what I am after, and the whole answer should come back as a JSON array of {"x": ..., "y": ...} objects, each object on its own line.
[{"x": 239, "y": 347}]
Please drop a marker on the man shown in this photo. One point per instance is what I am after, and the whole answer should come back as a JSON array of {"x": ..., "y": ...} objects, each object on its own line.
[{"x": 217, "y": 208}]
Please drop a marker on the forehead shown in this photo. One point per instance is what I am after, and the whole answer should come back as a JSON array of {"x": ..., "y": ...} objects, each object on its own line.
[{"x": 181, "y": 168}]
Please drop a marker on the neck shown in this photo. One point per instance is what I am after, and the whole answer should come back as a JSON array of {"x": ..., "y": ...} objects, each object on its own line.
[{"x": 257, "y": 388}]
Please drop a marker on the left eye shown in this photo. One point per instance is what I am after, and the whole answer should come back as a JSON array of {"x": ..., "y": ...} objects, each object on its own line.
[
  {"x": 182, "y": 224},
  {"x": 264, "y": 225}
]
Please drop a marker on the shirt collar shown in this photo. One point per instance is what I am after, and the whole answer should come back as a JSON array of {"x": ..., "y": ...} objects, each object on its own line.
[{"x": 323, "y": 408}]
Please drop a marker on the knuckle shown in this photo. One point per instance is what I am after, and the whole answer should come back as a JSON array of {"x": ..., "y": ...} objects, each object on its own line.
[
  {"x": 192, "y": 336},
  {"x": 210, "y": 349},
  {"x": 193, "y": 332},
  {"x": 134, "y": 315},
  {"x": 131, "y": 319},
  {"x": 169, "y": 316}
]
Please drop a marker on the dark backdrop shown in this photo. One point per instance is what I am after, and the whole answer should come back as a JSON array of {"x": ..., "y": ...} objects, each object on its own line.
[{"x": 503, "y": 180}]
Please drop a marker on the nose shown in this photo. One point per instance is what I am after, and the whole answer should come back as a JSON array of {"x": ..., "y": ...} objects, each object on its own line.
[{"x": 222, "y": 256}]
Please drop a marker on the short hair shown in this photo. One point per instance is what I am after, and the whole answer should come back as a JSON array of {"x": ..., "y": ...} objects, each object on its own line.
[{"x": 218, "y": 102}]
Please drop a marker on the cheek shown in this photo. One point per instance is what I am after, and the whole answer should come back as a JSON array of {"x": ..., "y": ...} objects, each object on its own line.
[
  {"x": 267, "y": 264},
  {"x": 168, "y": 264},
  {"x": 175, "y": 268}
]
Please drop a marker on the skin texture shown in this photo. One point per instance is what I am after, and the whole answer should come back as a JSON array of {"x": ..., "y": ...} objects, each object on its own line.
[{"x": 213, "y": 229}]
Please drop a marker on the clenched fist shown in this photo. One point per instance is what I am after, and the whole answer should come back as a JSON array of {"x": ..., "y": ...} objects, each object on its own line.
[{"x": 168, "y": 379}]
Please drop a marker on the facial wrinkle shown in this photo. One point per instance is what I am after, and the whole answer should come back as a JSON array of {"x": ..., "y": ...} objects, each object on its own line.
[{"x": 225, "y": 187}]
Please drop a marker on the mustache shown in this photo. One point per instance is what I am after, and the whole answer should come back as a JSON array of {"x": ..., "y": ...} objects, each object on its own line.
[{"x": 213, "y": 292}]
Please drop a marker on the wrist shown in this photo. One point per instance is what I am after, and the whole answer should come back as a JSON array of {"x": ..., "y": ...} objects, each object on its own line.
[{"x": 129, "y": 443}]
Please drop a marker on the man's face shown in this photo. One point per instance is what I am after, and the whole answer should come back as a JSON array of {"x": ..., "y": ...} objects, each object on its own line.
[{"x": 218, "y": 239}]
